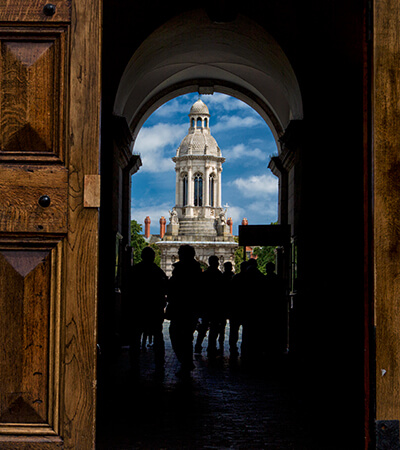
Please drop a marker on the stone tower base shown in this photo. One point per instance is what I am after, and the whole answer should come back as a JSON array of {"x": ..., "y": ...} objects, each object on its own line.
[{"x": 169, "y": 252}]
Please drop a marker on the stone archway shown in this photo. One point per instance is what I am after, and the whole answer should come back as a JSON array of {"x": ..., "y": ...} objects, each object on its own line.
[
  {"x": 163, "y": 67},
  {"x": 173, "y": 61}
]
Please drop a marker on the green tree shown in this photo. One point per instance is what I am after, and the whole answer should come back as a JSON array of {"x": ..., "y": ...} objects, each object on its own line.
[
  {"x": 264, "y": 255},
  {"x": 138, "y": 242}
]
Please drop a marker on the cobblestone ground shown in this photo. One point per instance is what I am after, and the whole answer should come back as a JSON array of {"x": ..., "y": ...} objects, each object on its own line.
[{"x": 220, "y": 407}]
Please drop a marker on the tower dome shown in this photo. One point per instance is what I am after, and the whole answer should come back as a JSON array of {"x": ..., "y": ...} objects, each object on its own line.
[
  {"x": 199, "y": 107},
  {"x": 199, "y": 141}
]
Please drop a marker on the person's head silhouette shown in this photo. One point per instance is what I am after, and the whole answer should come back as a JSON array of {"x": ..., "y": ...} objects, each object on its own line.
[
  {"x": 213, "y": 261},
  {"x": 228, "y": 267},
  {"x": 270, "y": 267},
  {"x": 186, "y": 253},
  {"x": 148, "y": 255},
  {"x": 243, "y": 266},
  {"x": 252, "y": 264}
]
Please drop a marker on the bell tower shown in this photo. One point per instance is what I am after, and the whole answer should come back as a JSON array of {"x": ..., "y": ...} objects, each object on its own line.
[
  {"x": 198, "y": 167},
  {"x": 198, "y": 217}
]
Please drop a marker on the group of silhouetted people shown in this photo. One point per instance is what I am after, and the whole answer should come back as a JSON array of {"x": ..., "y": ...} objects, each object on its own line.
[{"x": 192, "y": 299}]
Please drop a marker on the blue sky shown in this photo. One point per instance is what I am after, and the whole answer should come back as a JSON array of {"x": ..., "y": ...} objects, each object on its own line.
[{"x": 248, "y": 186}]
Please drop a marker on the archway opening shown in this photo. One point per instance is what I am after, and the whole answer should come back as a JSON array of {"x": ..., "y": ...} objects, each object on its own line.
[
  {"x": 249, "y": 189},
  {"x": 258, "y": 73}
]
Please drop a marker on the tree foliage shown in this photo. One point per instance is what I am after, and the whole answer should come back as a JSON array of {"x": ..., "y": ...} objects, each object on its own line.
[
  {"x": 138, "y": 243},
  {"x": 264, "y": 255}
]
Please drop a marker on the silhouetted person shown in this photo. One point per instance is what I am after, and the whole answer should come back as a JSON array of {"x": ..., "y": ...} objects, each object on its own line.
[
  {"x": 228, "y": 272},
  {"x": 203, "y": 324},
  {"x": 277, "y": 312},
  {"x": 254, "y": 315},
  {"x": 213, "y": 302},
  {"x": 235, "y": 308},
  {"x": 206, "y": 304},
  {"x": 183, "y": 297},
  {"x": 147, "y": 307}
]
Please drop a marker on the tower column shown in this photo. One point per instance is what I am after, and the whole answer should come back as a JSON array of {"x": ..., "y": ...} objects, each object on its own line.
[
  {"x": 190, "y": 187},
  {"x": 178, "y": 187},
  {"x": 219, "y": 196},
  {"x": 206, "y": 184}
]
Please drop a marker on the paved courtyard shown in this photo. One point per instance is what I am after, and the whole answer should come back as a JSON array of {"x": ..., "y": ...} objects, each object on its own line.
[{"x": 222, "y": 406}]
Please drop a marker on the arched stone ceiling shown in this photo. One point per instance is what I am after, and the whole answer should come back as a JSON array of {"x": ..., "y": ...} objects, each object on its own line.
[{"x": 191, "y": 53}]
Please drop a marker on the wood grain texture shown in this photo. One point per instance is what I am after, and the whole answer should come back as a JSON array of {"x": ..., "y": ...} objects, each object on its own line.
[
  {"x": 91, "y": 198},
  {"x": 21, "y": 188},
  {"x": 32, "y": 11},
  {"x": 386, "y": 123},
  {"x": 32, "y": 91},
  {"x": 34, "y": 101},
  {"x": 82, "y": 242},
  {"x": 24, "y": 335},
  {"x": 30, "y": 443},
  {"x": 30, "y": 313}
]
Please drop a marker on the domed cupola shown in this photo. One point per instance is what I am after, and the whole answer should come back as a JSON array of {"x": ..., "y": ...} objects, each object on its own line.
[
  {"x": 199, "y": 108},
  {"x": 199, "y": 141},
  {"x": 198, "y": 166}
]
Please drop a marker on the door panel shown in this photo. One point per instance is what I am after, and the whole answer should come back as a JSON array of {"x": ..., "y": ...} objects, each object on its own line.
[
  {"x": 32, "y": 93},
  {"x": 23, "y": 187},
  {"x": 30, "y": 337},
  {"x": 49, "y": 142},
  {"x": 34, "y": 11},
  {"x": 33, "y": 105}
]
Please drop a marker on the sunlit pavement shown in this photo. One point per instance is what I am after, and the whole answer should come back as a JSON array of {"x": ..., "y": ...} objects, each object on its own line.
[{"x": 221, "y": 406}]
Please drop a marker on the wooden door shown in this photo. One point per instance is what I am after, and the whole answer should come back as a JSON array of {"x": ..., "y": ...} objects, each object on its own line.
[
  {"x": 386, "y": 265},
  {"x": 49, "y": 153}
]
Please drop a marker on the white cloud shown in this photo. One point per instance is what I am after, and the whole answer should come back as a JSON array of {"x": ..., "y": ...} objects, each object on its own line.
[
  {"x": 225, "y": 102},
  {"x": 266, "y": 207},
  {"x": 155, "y": 212},
  {"x": 242, "y": 151},
  {"x": 230, "y": 122},
  {"x": 152, "y": 143},
  {"x": 256, "y": 185},
  {"x": 236, "y": 213},
  {"x": 177, "y": 105},
  {"x": 263, "y": 211}
]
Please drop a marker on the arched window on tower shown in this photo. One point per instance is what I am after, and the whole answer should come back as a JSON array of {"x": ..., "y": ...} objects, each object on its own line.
[
  {"x": 198, "y": 190},
  {"x": 192, "y": 123},
  {"x": 185, "y": 190},
  {"x": 205, "y": 123},
  {"x": 211, "y": 189},
  {"x": 199, "y": 122}
]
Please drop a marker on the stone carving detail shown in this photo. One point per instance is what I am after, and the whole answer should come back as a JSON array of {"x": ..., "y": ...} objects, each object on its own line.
[
  {"x": 173, "y": 217},
  {"x": 222, "y": 218}
]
